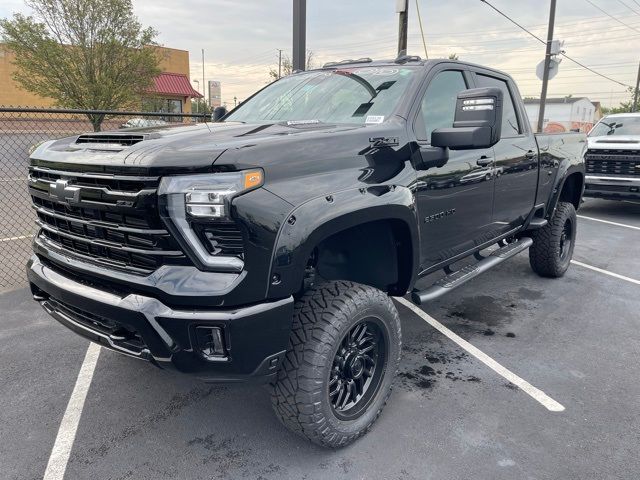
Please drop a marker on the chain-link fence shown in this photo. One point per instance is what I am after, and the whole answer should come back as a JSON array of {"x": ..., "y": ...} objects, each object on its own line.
[{"x": 22, "y": 128}]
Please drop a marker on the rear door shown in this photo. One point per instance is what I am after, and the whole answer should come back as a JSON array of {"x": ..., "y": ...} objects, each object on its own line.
[
  {"x": 516, "y": 158},
  {"x": 455, "y": 201}
]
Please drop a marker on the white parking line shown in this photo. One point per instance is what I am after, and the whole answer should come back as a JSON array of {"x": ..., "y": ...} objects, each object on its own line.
[
  {"x": 606, "y": 272},
  {"x": 67, "y": 432},
  {"x": 537, "y": 394},
  {"x": 608, "y": 222},
  {"x": 11, "y": 239}
]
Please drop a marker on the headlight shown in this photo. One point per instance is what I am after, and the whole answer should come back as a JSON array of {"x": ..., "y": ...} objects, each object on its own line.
[{"x": 202, "y": 199}]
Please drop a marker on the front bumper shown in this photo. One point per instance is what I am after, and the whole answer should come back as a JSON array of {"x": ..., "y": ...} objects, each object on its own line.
[
  {"x": 612, "y": 188},
  {"x": 255, "y": 337}
]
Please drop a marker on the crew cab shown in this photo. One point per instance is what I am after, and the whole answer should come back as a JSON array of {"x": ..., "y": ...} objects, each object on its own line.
[
  {"x": 613, "y": 158},
  {"x": 268, "y": 245}
]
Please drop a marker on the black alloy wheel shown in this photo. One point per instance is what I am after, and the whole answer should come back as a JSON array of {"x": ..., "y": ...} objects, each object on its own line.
[{"x": 357, "y": 369}]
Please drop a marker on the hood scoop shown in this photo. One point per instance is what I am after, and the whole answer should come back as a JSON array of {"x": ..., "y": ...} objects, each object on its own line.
[{"x": 109, "y": 141}]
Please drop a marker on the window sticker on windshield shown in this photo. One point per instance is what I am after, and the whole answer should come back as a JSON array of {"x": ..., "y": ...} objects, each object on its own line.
[
  {"x": 374, "y": 119},
  {"x": 377, "y": 71},
  {"x": 303, "y": 122}
]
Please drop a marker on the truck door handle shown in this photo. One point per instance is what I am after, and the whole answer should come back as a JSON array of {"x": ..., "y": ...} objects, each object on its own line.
[{"x": 483, "y": 161}]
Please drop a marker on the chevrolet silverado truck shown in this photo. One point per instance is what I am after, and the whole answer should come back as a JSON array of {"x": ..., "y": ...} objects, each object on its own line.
[
  {"x": 613, "y": 158},
  {"x": 268, "y": 245}
]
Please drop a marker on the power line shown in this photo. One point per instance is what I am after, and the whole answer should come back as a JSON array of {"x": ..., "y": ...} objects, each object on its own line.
[
  {"x": 563, "y": 54},
  {"x": 424, "y": 42},
  {"x": 514, "y": 22},
  {"x": 611, "y": 16},
  {"x": 634, "y": 11}
]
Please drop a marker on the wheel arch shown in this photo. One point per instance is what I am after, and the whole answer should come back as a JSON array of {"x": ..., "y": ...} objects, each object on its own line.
[
  {"x": 367, "y": 236},
  {"x": 569, "y": 189}
]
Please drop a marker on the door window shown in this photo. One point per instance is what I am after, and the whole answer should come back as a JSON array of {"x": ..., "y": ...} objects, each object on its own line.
[
  {"x": 438, "y": 105},
  {"x": 510, "y": 124}
]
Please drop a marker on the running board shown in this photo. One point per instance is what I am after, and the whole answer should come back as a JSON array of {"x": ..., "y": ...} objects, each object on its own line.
[{"x": 462, "y": 276}]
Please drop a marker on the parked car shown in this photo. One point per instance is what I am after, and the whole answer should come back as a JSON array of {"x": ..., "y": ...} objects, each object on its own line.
[
  {"x": 142, "y": 123},
  {"x": 613, "y": 158},
  {"x": 268, "y": 247}
]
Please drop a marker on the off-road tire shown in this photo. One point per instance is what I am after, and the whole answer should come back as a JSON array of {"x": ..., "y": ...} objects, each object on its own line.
[
  {"x": 322, "y": 318},
  {"x": 545, "y": 253}
]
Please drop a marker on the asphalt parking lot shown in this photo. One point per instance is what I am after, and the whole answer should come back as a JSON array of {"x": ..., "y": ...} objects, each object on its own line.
[{"x": 450, "y": 417}]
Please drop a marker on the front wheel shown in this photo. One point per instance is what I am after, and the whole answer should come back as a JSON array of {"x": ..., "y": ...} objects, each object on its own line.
[
  {"x": 343, "y": 354},
  {"x": 552, "y": 249}
]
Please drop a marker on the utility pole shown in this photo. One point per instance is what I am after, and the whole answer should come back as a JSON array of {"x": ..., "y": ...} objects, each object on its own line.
[
  {"x": 634, "y": 107},
  {"x": 279, "y": 63},
  {"x": 204, "y": 85},
  {"x": 299, "y": 34},
  {"x": 235, "y": 101},
  {"x": 547, "y": 62},
  {"x": 402, "y": 8}
]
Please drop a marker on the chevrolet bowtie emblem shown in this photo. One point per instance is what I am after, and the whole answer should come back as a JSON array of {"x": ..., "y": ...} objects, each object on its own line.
[{"x": 63, "y": 192}]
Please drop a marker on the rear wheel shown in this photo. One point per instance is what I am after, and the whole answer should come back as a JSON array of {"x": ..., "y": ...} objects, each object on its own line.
[
  {"x": 343, "y": 354},
  {"x": 552, "y": 249}
]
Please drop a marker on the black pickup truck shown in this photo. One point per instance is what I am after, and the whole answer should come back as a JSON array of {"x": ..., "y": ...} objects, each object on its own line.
[{"x": 267, "y": 245}]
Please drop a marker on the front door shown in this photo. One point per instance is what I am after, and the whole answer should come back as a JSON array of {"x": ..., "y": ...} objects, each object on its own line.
[{"x": 454, "y": 201}]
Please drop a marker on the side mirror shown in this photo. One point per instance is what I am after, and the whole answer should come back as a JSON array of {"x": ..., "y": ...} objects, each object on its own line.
[
  {"x": 218, "y": 113},
  {"x": 477, "y": 122}
]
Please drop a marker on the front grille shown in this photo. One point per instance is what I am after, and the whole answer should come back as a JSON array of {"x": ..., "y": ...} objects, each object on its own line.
[
  {"x": 109, "y": 220},
  {"x": 613, "y": 162}
]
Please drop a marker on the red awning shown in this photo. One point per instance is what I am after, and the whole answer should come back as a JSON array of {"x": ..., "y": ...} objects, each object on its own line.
[{"x": 174, "y": 84}]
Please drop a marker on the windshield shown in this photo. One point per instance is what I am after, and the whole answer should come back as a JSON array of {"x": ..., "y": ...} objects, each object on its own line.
[
  {"x": 349, "y": 95},
  {"x": 617, "y": 126}
]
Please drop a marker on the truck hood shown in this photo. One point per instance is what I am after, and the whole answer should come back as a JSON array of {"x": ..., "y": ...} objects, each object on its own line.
[
  {"x": 617, "y": 142},
  {"x": 175, "y": 149}
]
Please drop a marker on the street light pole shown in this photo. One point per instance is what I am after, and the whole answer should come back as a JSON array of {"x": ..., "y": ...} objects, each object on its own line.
[
  {"x": 204, "y": 87},
  {"x": 402, "y": 8},
  {"x": 634, "y": 107},
  {"x": 197, "y": 99},
  {"x": 547, "y": 63}
]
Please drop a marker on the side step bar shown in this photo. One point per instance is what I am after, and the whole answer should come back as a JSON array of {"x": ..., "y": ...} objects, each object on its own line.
[{"x": 462, "y": 276}]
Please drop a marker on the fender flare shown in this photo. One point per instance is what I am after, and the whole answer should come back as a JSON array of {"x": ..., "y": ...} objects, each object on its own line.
[
  {"x": 318, "y": 219},
  {"x": 557, "y": 191}
]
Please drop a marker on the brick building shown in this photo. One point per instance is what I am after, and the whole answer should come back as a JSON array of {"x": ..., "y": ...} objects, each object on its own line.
[{"x": 172, "y": 91}]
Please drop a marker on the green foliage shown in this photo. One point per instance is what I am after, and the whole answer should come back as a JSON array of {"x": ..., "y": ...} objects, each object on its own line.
[
  {"x": 287, "y": 66},
  {"x": 85, "y": 54},
  {"x": 198, "y": 105},
  {"x": 624, "y": 107}
]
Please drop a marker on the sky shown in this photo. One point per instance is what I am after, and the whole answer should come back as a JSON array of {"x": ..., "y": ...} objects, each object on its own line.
[{"x": 241, "y": 38}]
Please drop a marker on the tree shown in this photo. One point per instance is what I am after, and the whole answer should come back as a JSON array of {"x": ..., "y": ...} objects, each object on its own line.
[
  {"x": 624, "y": 107},
  {"x": 198, "y": 105},
  {"x": 453, "y": 56},
  {"x": 84, "y": 54},
  {"x": 287, "y": 66}
]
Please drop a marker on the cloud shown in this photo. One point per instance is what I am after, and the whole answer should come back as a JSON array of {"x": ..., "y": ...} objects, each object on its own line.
[{"x": 241, "y": 38}]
